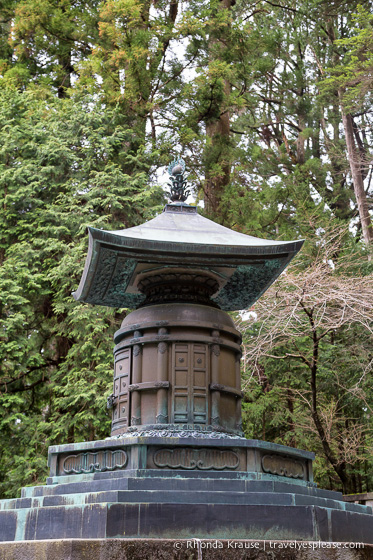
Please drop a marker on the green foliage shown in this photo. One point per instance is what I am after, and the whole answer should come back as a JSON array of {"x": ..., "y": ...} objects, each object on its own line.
[
  {"x": 55, "y": 354},
  {"x": 354, "y": 75},
  {"x": 94, "y": 97},
  {"x": 309, "y": 361}
]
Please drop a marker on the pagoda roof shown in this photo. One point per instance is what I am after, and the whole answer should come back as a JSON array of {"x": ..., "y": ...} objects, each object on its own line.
[{"x": 180, "y": 238}]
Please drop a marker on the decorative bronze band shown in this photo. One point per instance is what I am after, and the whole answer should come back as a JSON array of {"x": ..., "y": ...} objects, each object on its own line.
[
  {"x": 170, "y": 324},
  {"x": 154, "y": 339},
  {"x": 184, "y": 430},
  {"x": 149, "y": 386},
  {"x": 225, "y": 389},
  {"x": 178, "y": 286}
]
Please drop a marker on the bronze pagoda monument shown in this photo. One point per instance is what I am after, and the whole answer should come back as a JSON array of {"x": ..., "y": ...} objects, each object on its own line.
[
  {"x": 177, "y": 357},
  {"x": 176, "y": 463}
]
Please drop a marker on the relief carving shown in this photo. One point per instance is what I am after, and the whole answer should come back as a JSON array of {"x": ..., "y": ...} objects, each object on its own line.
[
  {"x": 202, "y": 459},
  {"x": 162, "y": 347},
  {"x": 136, "y": 350},
  {"x": 110, "y": 401},
  {"x": 283, "y": 466},
  {"x": 99, "y": 285},
  {"x": 109, "y": 283},
  {"x": 90, "y": 462},
  {"x": 184, "y": 430}
]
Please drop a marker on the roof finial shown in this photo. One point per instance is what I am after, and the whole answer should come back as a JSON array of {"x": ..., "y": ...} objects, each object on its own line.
[{"x": 178, "y": 186}]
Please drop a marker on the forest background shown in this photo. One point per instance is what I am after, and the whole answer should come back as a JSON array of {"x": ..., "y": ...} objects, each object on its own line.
[{"x": 269, "y": 103}]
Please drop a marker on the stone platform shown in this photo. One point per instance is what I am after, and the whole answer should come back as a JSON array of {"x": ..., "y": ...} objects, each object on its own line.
[
  {"x": 168, "y": 549},
  {"x": 182, "y": 487}
]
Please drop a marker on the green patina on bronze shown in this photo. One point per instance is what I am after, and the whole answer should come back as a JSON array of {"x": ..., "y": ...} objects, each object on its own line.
[
  {"x": 110, "y": 281},
  {"x": 177, "y": 356},
  {"x": 244, "y": 266},
  {"x": 255, "y": 280},
  {"x": 179, "y": 191}
]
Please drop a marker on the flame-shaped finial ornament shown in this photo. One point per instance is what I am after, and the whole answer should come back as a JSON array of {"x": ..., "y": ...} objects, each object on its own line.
[{"x": 178, "y": 185}]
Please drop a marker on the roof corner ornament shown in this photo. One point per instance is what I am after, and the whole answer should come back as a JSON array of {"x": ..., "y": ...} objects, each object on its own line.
[{"x": 178, "y": 185}]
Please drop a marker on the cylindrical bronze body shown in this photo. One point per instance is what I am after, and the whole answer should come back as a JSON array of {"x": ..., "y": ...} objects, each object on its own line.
[{"x": 176, "y": 368}]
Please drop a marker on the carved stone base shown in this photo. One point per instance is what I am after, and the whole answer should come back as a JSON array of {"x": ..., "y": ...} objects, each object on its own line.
[
  {"x": 178, "y": 447},
  {"x": 167, "y": 487}
]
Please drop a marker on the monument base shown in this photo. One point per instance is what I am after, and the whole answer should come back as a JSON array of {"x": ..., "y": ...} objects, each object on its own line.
[{"x": 198, "y": 486}]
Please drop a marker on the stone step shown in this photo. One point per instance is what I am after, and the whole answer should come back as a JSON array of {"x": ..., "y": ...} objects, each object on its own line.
[
  {"x": 176, "y": 480},
  {"x": 180, "y": 520},
  {"x": 149, "y": 496},
  {"x": 170, "y": 496},
  {"x": 173, "y": 484},
  {"x": 176, "y": 484},
  {"x": 177, "y": 473},
  {"x": 164, "y": 473},
  {"x": 222, "y": 484}
]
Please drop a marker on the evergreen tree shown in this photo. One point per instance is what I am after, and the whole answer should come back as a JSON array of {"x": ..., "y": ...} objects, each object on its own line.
[
  {"x": 269, "y": 103},
  {"x": 56, "y": 354},
  {"x": 308, "y": 361}
]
